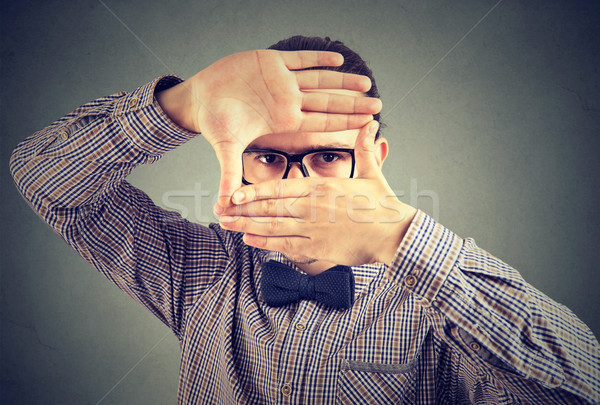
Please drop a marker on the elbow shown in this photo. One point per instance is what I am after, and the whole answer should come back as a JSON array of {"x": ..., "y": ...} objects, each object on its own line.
[
  {"x": 22, "y": 167},
  {"x": 16, "y": 164}
]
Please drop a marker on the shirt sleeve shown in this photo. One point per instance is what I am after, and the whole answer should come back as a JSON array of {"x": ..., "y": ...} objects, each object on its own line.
[
  {"x": 508, "y": 338},
  {"x": 72, "y": 173}
]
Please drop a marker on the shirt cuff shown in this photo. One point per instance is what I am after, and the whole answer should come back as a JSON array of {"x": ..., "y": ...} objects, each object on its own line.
[
  {"x": 425, "y": 258},
  {"x": 144, "y": 121}
]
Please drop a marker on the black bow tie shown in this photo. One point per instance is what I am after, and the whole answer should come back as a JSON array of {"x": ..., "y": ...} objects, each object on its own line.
[{"x": 282, "y": 285}]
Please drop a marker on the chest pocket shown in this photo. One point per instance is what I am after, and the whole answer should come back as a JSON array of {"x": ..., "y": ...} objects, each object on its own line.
[
  {"x": 373, "y": 383},
  {"x": 381, "y": 362}
]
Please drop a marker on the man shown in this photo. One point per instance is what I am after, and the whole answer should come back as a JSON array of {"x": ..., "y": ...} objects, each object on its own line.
[{"x": 423, "y": 316}]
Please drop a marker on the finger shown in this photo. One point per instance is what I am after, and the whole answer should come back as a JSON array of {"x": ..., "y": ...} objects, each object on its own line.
[
  {"x": 338, "y": 103},
  {"x": 293, "y": 244},
  {"x": 328, "y": 122},
  {"x": 306, "y": 59},
  {"x": 266, "y": 226},
  {"x": 279, "y": 189},
  {"x": 230, "y": 160},
  {"x": 364, "y": 151},
  {"x": 269, "y": 207},
  {"x": 328, "y": 79}
]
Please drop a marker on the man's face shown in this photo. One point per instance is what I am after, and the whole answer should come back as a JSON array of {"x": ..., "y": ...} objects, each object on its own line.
[{"x": 299, "y": 142}]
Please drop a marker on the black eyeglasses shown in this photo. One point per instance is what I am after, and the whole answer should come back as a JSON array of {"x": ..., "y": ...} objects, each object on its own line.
[{"x": 269, "y": 164}]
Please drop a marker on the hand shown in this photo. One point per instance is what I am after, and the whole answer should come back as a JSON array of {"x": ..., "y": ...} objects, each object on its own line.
[
  {"x": 249, "y": 94},
  {"x": 345, "y": 221}
]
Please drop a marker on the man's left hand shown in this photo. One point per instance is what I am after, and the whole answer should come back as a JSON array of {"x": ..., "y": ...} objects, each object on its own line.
[{"x": 345, "y": 221}]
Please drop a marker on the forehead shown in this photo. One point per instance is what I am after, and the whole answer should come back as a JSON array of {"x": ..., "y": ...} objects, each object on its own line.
[{"x": 298, "y": 142}]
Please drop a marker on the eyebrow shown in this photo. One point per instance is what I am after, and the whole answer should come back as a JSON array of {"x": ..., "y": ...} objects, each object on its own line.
[
  {"x": 318, "y": 146},
  {"x": 333, "y": 146}
]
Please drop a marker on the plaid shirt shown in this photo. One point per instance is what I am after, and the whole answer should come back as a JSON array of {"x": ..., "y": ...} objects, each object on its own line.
[{"x": 446, "y": 322}]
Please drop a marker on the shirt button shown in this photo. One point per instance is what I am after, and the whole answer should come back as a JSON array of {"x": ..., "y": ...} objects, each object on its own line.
[
  {"x": 410, "y": 281},
  {"x": 286, "y": 389},
  {"x": 133, "y": 102},
  {"x": 64, "y": 135},
  {"x": 555, "y": 382},
  {"x": 300, "y": 327},
  {"x": 475, "y": 346}
]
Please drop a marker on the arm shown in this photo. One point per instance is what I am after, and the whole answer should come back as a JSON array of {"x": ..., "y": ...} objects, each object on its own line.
[
  {"x": 507, "y": 334},
  {"x": 508, "y": 341},
  {"x": 232, "y": 102},
  {"x": 72, "y": 174}
]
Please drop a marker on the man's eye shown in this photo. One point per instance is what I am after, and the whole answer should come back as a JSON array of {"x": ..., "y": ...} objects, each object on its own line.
[
  {"x": 327, "y": 157},
  {"x": 269, "y": 159}
]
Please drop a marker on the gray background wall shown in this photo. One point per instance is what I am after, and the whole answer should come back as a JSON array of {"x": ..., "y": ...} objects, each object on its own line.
[{"x": 495, "y": 133}]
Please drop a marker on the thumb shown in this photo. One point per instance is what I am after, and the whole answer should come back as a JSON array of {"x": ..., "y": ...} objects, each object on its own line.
[
  {"x": 364, "y": 151},
  {"x": 230, "y": 160}
]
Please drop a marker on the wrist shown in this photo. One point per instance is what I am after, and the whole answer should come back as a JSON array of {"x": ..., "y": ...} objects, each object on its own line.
[
  {"x": 396, "y": 232},
  {"x": 176, "y": 103}
]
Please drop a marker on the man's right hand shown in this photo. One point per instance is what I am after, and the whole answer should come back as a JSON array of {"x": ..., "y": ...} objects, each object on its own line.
[{"x": 245, "y": 95}]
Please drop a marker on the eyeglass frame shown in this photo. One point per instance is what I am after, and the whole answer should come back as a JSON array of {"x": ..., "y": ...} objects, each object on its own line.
[{"x": 298, "y": 157}]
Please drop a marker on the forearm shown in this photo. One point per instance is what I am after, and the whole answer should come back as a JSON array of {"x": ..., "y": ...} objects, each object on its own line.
[
  {"x": 72, "y": 173},
  {"x": 496, "y": 321},
  {"x": 72, "y": 162}
]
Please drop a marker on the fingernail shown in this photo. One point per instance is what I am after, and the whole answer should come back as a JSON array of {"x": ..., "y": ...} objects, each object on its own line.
[
  {"x": 226, "y": 219},
  {"x": 373, "y": 128},
  {"x": 217, "y": 209},
  {"x": 238, "y": 197}
]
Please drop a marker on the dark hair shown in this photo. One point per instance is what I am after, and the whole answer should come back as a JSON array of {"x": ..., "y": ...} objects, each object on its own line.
[{"x": 353, "y": 63}]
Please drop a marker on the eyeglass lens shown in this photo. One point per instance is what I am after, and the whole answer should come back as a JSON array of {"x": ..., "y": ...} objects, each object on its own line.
[{"x": 262, "y": 166}]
